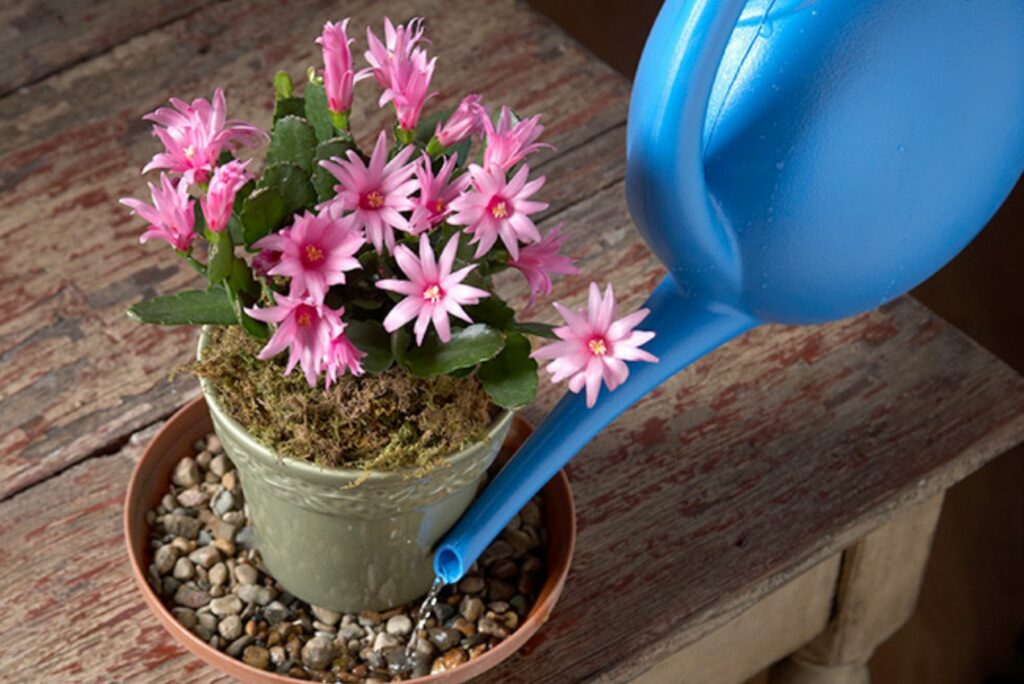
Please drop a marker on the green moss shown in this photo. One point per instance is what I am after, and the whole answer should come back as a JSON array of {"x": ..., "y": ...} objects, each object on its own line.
[{"x": 389, "y": 421}]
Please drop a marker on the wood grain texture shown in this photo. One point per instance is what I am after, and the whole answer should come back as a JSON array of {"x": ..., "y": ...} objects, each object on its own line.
[
  {"x": 76, "y": 375},
  {"x": 757, "y": 463},
  {"x": 42, "y": 37}
]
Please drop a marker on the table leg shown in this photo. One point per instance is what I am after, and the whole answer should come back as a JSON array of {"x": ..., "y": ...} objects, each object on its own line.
[{"x": 876, "y": 593}]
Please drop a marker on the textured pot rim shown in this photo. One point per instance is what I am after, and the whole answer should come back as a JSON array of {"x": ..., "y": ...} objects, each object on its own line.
[{"x": 307, "y": 470}]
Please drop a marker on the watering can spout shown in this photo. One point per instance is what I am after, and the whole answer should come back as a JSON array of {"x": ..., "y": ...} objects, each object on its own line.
[{"x": 684, "y": 331}]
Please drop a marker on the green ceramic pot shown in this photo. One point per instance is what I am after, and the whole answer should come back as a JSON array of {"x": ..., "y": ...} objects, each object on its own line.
[{"x": 351, "y": 548}]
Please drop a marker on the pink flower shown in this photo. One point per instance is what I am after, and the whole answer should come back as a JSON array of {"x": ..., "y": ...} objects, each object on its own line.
[
  {"x": 341, "y": 355},
  {"x": 338, "y": 75},
  {"x": 538, "y": 261},
  {"x": 498, "y": 208},
  {"x": 264, "y": 261},
  {"x": 436, "y": 193},
  {"x": 220, "y": 196},
  {"x": 400, "y": 41},
  {"x": 172, "y": 215},
  {"x": 432, "y": 291},
  {"x": 375, "y": 193},
  {"x": 466, "y": 120},
  {"x": 508, "y": 143},
  {"x": 305, "y": 326},
  {"x": 593, "y": 347},
  {"x": 402, "y": 69},
  {"x": 195, "y": 134},
  {"x": 314, "y": 252}
]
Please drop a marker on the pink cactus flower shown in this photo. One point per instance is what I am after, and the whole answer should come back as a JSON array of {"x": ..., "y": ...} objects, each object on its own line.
[
  {"x": 375, "y": 194},
  {"x": 195, "y": 134},
  {"x": 341, "y": 355},
  {"x": 264, "y": 261},
  {"x": 339, "y": 78},
  {"x": 436, "y": 193},
  {"x": 498, "y": 208},
  {"x": 171, "y": 216},
  {"x": 399, "y": 43},
  {"x": 432, "y": 291},
  {"x": 305, "y": 326},
  {"x": 466, "y": 120},
  {"x": 594, "y": 347},
  {"x": 219, "y": 201},
  {"x": 538, "y": 261},
  {"x": 314, "y": 252},
  {"x": 507, "y": 144},
  {"x": 402, "y": 69}
]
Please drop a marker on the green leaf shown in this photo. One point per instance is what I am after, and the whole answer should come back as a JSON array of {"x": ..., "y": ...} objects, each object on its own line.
[
  {"x": 535, "y": 329},
  {"x": 492, "y": 311},
  {"x": 289, "y": 106},
  {"x": 370, "y": 337},
  {"x": 427, "y": 124},
  {"x": 510, "y": 378},
  {"x": 467, "y": 347},
  {"x": 317, "y": 113},
  {"x": 292, "y": 140},
  {"x": 263, "y": 212},
  {"x": 192, "y": 307},
  {"x": 222, "y": 252},
  {"x": 323, "y": 180},
  {"x": 292, "y": 182},
  {"x": 400, "y": 340},
  {"x": 243, "y": 194}
]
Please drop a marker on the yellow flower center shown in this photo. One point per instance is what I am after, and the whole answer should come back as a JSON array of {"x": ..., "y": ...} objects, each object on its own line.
[
  {"x": 439, "y": 206},
  {"x": 500, "y": 210},
  {"x": 374, "y": 199},
  {"x": 304, "y": 319},
  {"x": 190, "y": 152},
  {"x": 597, "y": 347},
  {"x": 432, "y": 294},
  {"x": 314, "y": 254}
]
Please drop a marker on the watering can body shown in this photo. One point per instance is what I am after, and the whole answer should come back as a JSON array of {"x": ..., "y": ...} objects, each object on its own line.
[{"x": 791, "y": 161}]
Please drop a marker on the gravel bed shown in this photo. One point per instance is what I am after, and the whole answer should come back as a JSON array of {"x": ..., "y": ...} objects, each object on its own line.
[{"x": 208, "y": 571}]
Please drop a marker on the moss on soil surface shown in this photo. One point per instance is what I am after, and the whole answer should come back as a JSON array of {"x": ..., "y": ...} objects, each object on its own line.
[{"x": 389, "y": 421}]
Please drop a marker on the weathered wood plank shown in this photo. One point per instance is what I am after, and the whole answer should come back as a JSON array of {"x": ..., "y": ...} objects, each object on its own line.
[
  {"x": 77, "y": 376},
  {"x": 707, "y": 497},
  {"x": 41, "y": 37}
]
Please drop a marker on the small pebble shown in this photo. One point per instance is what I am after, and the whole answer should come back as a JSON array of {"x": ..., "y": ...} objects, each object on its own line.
[
  {"x": 184, "y": 570},
  {"x": 444, "y": 637},
  {"x": 318, "y": 653},
  {"x": 383, "y": 641},
  {"x": 276, "y": 613},
  {"x": 218, "y": 574},
  {"x": 236, "y": 647},
  {"x": 246, "y": 574},
  {"x": 228, "y": 605},
  {"x": 471, "y": 608},
  {"x": 186, "y": 616},
  {"x": 182, "y": 526},
  {"x": 222, "y": 502},
  {"x": 256, "y": 656},
  {"x": 165, "y": 558},
  {"x": 186, "y": 473},
  {"x": 205, "y": 556},
  {"x": 192, "y": 497},
  {"x": 326, "y": 616},
  {"x": 472, "y": 584},
  {"x": 252, "y": 593},
  {"x": 230, "y": 627},
  {"x": 191, "y": 597},
  {"x": 399, "y": 625},
  {"x": 449, "y": 661}
]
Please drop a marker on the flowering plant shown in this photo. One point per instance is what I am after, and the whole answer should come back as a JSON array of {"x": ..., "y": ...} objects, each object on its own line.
[{"x": 354, "y": 262}]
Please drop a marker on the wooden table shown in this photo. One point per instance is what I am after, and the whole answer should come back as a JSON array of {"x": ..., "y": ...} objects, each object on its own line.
[{"x": 778, "y": 496}]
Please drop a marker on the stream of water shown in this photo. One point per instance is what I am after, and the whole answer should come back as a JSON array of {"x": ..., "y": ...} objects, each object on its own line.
[{"x": 424, "y": 613}]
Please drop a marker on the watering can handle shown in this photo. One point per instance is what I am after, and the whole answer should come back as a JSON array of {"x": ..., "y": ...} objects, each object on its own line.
[{"x": 685, "y": 331}]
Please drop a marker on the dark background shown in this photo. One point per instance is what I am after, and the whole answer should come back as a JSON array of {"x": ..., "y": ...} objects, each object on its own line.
[{"x": 968, "y": 624}]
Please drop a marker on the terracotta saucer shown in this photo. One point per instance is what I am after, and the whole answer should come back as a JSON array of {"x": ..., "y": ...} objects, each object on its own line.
[{"x": 150, "y": 480}]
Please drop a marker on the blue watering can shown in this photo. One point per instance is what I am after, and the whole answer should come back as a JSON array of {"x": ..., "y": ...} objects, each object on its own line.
[{"x": 791, "y": 161}]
